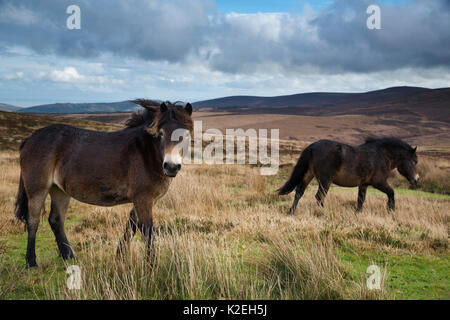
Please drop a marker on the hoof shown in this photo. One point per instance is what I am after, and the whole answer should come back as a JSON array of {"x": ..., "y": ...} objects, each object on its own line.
[
  {"x": 31, "y": 265},
  {"x": 68, "y": 256},
  {"x": 121, "y": 253},
  {"x": 66, "y": 252}
]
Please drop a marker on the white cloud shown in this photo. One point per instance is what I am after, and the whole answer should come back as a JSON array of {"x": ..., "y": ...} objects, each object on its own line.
[
  {"x": 68, "y": 74},
  {"x": 334, "y": 39},
  {"x": 187, "y": 50},
  {"x": 71, "y": 75}
]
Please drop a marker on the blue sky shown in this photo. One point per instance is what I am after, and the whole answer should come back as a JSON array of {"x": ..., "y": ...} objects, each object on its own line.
[
  {"x": 252, "y": 6},
  {"x": 192, "y": 50}
]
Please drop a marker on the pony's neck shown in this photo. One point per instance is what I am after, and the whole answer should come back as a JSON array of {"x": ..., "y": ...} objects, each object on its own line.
[
  {"x": 149, "y": 148},
  {"x": 391, "y": 156}
]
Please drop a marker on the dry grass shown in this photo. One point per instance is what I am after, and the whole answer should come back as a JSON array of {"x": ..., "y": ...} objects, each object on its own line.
[{"x": 222, "y": 232}]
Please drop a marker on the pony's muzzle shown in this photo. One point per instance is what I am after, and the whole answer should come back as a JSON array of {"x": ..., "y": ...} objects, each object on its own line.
[
  {"x": 171, "y": 169},
  {"x": 415, "y": 180}
]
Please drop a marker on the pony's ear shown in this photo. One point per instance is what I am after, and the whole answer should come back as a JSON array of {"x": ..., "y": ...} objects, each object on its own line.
[
  {"x": 414, "y": 150},
  {"x": 163, "y": 107},
  {"x": 188, "y": 108}
]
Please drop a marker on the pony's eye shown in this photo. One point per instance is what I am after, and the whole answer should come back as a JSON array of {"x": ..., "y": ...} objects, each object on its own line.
[{"x": 161, "y": 133}]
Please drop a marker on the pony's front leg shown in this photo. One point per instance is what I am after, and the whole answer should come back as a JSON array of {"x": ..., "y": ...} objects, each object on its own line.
[
  {"x": 143, "y": 207},
  {"x": 361, "y": 197},
  {"x": 130, "y": 231},
  {"x": 146, "y": 231},
  {"x": 384, "y": 187}
]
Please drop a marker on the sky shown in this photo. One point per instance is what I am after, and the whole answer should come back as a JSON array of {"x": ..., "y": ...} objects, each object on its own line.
[{"x": 191, "y": 50}]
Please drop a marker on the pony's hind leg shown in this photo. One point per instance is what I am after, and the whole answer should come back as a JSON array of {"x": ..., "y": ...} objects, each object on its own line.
[
  {"x": 130, "y": 231},
  {"x": 324, "y": 185},
  {"x": 35, "y": 204},
  {"x": 56, "y": 219},
  {"x": 299, "y": 190}
]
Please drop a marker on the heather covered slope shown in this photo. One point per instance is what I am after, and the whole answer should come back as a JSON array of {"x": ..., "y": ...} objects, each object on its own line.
[
  {"x": 16, "y": 126},
  {"x": 433, "y": 103},
  {"x": 315, "y": 99}
]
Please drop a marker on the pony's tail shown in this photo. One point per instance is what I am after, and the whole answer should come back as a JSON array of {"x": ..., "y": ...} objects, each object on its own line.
[
  {"x": 298, "y": 173},
  {"x": 21, "y": 210}
]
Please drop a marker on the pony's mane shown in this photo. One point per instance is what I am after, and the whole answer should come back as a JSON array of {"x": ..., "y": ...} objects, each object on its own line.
[
  {"x": 146, "y": 115},
  {"x": 389, "y": 142},
  {"x": 154, "y": 118}
]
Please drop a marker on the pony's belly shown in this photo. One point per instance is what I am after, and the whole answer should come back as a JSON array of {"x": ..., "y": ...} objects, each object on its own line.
[
  {"x": 345, "y": 179},
  {"x": 345, "y": 184},
  {"x": 102, "y": 200},
  {"x": 99, "y": 194},
  {"x": 95, "y": 197},
  {"x": 91, "y": 187}
]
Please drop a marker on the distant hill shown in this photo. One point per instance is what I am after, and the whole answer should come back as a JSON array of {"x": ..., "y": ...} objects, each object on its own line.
[
  {"x": 432, "y": 103},
  {"x": 8, "y": 107},
  {"x": 407, "y": 102},
  {"x": 314, "y": 99},
  {"x": 123, "y": 106}
]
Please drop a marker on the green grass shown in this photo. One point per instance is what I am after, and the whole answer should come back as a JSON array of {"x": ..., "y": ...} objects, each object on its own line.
[
  {"x": 409, "y": 275},
  {"x": 17, "y": 282},
  {"x": 21, "y": 283}
]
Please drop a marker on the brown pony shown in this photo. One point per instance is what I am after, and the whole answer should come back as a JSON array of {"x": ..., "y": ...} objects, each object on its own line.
[
  {"x": 133, "y": 165},
  {"x": 348, "y": 166}
]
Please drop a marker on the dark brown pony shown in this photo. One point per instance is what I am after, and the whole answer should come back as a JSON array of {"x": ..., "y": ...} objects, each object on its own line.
[
  {"x": 134, "y": 165},
  {"x": 366, "y": 165}
]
